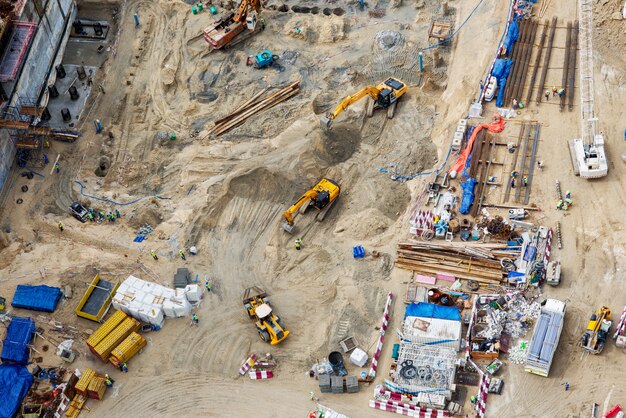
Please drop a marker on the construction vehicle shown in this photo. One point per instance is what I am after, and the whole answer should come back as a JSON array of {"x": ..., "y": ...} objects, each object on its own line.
[
  {"x": 545, "y": 338},
  {"x": 79, "y": 211},
  {"x": 264, "y": 59},
  {"x": 588, "y": 153},
  {"x": 239, "y": 25},
  {"x": 269, "y": 325},
  {"x": 595, "y": 336},
  {"x": 322, "y": 197},
  {"x": 384, "y": 96}
]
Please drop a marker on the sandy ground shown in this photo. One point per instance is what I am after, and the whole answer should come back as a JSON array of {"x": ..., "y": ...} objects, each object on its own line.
[{"x": 226, "y": 196}]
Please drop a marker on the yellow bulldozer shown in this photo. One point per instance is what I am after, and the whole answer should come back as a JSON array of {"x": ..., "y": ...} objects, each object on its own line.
[
  {"x": 269, "y": 325},
  {"x": 383, "y": 96},
  {"x": 322, "y": 197}
]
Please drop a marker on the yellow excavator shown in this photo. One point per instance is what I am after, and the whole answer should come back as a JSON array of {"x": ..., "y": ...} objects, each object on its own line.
[
  {"x": 597, "y": 331},
  {"x": 322, "y": 197},
  {"x": 384, "y": 96}
]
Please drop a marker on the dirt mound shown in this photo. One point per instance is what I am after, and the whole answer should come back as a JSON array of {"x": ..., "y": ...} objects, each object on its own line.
[
  {"x": 152, "y": 216},
  {"x": 364, "y": 225},
  {"x": 336, "y": 145},
  {"x": 262, "y": 184}
]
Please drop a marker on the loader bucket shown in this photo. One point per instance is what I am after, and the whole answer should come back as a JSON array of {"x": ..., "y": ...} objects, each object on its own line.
[
  {"x": 288, "y": 228},
  {"x": 326, "y": 122}
]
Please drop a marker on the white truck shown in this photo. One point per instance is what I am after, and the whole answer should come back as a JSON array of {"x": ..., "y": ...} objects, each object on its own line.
[{"x": 545, "y": 338}]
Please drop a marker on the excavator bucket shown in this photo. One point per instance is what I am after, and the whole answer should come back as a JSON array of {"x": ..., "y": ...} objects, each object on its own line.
[
  {"x": 326, "y": 122},
  {"x": 288, "y": 228}
]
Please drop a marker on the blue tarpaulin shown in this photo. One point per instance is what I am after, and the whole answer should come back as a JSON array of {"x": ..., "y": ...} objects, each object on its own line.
[
  {"x": 511, "y": 36},
  {"x": 501, "y": 70},
  {"x": 15, "y": 345},
  {"x": 37, "y": 298},
  {"x": 15, "y": 380},
  {"x": 468, "y": 195},
  {"x": 430, "y": 310}
]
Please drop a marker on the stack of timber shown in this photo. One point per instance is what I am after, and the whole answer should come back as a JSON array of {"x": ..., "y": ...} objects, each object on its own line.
[
  {"x": 253, "y": 106},
  {"x": 470, "y": 261}
]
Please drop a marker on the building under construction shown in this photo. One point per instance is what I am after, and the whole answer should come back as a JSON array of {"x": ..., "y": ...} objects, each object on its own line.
[{"x": 33, "y": 36}]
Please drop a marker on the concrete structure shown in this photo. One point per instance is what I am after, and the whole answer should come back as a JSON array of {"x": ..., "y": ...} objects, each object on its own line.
[{"x": 32, "y": 43}]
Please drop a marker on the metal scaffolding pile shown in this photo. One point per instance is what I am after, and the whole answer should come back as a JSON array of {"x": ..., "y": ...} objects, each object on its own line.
[{"x": 424, "y": 368}]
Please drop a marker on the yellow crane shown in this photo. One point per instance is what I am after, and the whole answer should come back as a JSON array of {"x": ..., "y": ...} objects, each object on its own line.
[
  {"x": 322, "y": 197},
  {"x": 384, "y": 96}
]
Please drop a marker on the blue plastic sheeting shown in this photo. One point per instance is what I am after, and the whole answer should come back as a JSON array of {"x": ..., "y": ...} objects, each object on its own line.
[
  {"x": 15, "y": 345},
  {"x": 468, "y": 195},
  {"x": 15, "y": 380},
  {"x": 501, "y": 70},
  {"x": 511, "y": 36},
  {"x": 37, "y": 298},
  {"x": 430, "y": 310}
]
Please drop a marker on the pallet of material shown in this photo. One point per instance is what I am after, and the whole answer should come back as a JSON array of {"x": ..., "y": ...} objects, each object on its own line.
[
  {"x": 105, "y": 347},
  {"x": 106, "y": 328},
  {"x": 253, "y": 106},
  {"x": 127, "y": 349},
  {"x": 83, "y": 383},
  {"x": 480, "y": 263}
]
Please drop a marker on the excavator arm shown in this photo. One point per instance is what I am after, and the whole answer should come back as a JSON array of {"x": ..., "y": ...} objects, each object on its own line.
[
  {"x": 371, "y": 91},
  {"x": 244, "y": 7},
  {"x": 289, "y": 213}
]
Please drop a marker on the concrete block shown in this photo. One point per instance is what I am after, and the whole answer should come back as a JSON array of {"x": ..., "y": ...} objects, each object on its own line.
[
  {"x": 324, "y": 382},
  {"x": 461, "y": 128},
  {"x": 462, "y": 122},
  {"x": 336, "y": 383},
  {"x": 458, "y": 135},
  {"x": 621, "y": 341}
]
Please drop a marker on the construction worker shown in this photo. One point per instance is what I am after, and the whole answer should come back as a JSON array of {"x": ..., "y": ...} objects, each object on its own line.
[
  {"x": 473, "y": 399},
  {"x": 117, "y": 213},
  {"x": 520, "y": 104},
  {"x": 547, "y": 94},
  {"x": 90, "y": 216},
  {"x": 555, "y": 91},
  {"x": 154, "y": 255},
  {"x": 514, "y": 174},
  {"x": 515, "y": 104},
  {"x": 123, "y": 367},
  {"x": 298, "y": 244},
  {"x": 539, "y": 165},
  {"x": 566, "y": 386},
  {"x": 208, "y": 286},
  {"x": 568, "y": 195},
  {"x": 100, "y": 216},
  {"x": 559, "y": 204},
  {"x": 568, "y": 202},
  {"x": 61, "y": 226},
  {"x": 561, "y": 92},
  {"x": 194, "y": 319},
  {"x": 108, "y": 381},
  {"x": 57, "y": 166},
  {"x": 182, "y": 254},
  {"x": 525, "y": 181},
  {"x": 111, "y": 217}
]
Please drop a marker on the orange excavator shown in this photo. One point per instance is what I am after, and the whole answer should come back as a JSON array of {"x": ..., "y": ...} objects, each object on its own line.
[{"x": 239, "y": 25}]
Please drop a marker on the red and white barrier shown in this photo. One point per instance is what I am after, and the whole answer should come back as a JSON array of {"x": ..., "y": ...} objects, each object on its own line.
[
  {"x": 481, "y": 403},
  {"x": 381, "y": 339},
  {"x": 408, "y": 410},
  {"x": 261, "y": 374},
  {"x": 382, "y": 394},
  {"x": 621, "y": 324},
  {"x": 247, "y": 365},
  {"x": 548, "y": 251}
]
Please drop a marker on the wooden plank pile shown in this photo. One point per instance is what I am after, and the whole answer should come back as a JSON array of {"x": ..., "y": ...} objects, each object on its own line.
[
  {"x": 253, "y": 106},
  {"x": 470, "y": 261}
]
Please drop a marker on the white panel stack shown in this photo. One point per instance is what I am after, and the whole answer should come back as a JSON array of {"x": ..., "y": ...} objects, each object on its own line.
[
  {"x": 459, "y": 134},
  {"x": 151, "y": 302}
]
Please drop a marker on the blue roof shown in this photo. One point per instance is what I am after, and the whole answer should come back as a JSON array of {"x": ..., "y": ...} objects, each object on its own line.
[
  {"x": 15, "y": 345},
  {"x": 15, "y": 380},
  {"x": 430, "y": 310},
  {"x": 37, "y": 298}
]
